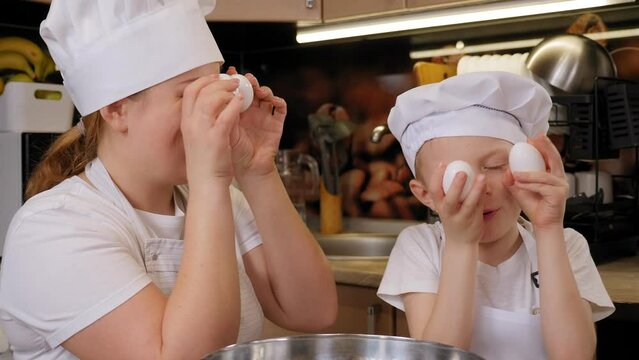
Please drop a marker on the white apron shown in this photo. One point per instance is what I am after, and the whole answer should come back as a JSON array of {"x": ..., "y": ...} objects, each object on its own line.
[
  {"x": 500, "y": 334},
  {"x": 162, "y": 257}
]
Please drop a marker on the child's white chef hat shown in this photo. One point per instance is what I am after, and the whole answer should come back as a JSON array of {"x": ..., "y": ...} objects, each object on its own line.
[
  {"x": 493, "y": 104},
  {"x": 109, "y": 49}
]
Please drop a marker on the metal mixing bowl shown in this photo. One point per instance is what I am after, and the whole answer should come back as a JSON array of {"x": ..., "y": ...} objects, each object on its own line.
[
  {"x": 571, "y": 63},
  {"x": 340, "y": 347}
]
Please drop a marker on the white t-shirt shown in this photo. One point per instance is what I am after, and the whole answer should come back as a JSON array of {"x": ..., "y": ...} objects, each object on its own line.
[
  {"x": 165, "y": 226},
  {"x": 415, "y": 265},
  {"x": 70, "y": 257}
]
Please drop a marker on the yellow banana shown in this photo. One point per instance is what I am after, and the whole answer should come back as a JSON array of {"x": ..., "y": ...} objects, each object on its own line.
[
  {"x": 1, "y": 86},
  {"x": 30, "y": 50},
  {"x": 14, "y": 61},
  {"x": 48, "y": 68},
  {"x": 20, "y": 77}
]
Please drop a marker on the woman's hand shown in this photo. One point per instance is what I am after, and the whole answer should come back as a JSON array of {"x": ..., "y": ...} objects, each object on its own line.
[
  {"x": 257, "y": 135},
  {"x": 463, "y": 221},
  {"x": 541, "y": 195},
  {"x": 210, "y": 111}
]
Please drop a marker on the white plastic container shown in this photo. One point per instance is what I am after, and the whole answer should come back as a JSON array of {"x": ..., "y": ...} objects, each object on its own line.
[{"x": 21, "y": 111}]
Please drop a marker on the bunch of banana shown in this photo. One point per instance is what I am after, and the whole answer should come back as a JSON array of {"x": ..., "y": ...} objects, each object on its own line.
[
  {"x": 14, "y": 62},
  {"x": 23, "y": 60}
]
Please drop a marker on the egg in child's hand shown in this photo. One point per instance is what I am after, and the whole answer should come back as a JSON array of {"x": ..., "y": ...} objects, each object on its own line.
[
  {"x": 245, "y": 88},
  {"x": 525, "y": 157},
  {"x": 452, "y": 169}
]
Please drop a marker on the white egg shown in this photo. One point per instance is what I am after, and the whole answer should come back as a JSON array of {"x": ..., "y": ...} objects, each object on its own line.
[
  {"x": 525, "y": 157},
  {"x": 245, "y": 88},
  {"x": 452, "y": 169}
]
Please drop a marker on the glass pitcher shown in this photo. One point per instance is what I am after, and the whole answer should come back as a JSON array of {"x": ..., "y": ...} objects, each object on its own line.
[{"x": 300, "y": 175}]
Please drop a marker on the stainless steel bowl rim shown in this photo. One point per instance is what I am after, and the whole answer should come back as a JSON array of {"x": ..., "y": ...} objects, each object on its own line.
[{"x": 231, "y": 348}]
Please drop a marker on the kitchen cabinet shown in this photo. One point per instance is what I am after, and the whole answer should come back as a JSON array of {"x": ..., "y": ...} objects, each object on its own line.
[
  {"x": 316, "y": 11},
  {"x": 401, "y": 325},
  {"x": 267, "y": 11},
  {"x": 339, "y": 9},
  {"x": 261, "y": 11},
  {"x": 360, "y": 312},
  {"x": 411, "y": 4}
]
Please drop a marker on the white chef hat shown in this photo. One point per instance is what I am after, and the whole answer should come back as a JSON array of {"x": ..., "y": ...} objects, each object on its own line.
[
  {"x": 109, "y": 49},
  {"x": 493, "y": 104}
]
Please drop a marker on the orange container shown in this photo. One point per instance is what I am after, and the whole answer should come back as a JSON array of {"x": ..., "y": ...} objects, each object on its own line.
[{"x": 428, "y": 73}]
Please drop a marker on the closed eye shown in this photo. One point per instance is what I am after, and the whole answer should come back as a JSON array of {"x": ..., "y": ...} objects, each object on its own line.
[{"x": 499, "y": 167}]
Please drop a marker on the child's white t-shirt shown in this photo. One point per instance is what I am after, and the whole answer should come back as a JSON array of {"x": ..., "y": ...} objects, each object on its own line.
[
  {"x": 415, "y": 265},
  {"x": 71, "y": 256}
]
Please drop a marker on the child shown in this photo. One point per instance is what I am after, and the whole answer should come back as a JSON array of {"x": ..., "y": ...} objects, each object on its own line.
[
  {"x": 113, "y": 257},
  {"x": 484, "y": 279}
]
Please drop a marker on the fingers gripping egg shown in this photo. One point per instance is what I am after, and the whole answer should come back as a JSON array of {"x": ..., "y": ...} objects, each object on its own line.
[
  {"x": 452, "y": 169},
  {"x": 245, "y": 88},
  {"x": 525, "y": 157}
]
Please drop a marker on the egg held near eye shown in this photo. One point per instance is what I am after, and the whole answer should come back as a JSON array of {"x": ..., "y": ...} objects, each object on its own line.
[
  {"x": 525, "y": 157},
  {"x": 245, "y": 88},
  {"x": 452, "y": 169}
]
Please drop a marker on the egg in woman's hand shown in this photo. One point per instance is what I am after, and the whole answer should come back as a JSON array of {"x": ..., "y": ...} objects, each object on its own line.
[
  {"x": 245, "y": 88},
  {"x": 449, "y": 175},
  {"x": 525, "y": 157}
]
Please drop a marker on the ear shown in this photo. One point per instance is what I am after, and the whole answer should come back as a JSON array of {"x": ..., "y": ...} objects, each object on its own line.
[
  {"x": 421, "y": 193},
  {"x": 115, "y": 115}
]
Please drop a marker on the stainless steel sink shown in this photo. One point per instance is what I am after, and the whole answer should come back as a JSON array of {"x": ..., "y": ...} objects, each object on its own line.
[
  {"x": 365, "y": 225},
  {"x": 357, "y": 245}
]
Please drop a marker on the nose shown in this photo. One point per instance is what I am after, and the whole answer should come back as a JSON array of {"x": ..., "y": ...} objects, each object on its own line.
[{"x": 488, "y": 189}]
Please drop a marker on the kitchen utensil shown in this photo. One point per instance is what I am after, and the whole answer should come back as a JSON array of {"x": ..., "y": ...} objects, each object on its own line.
[
  {"x": 571, "y": 62},
  {"x": 340, "y": 347},
  {"x": 291, "y": 165},
  {"x": 586, "y": 184},
  {"x": 329, "y": 135}
]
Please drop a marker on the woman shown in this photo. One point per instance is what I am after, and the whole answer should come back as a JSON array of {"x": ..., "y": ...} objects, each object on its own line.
[{"x": 112, "y": 257}]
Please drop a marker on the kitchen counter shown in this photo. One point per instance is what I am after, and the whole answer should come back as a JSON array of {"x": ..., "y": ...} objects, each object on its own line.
[
  {"x": 621, "y": 276},
  {"x": 366, "y": 273}
]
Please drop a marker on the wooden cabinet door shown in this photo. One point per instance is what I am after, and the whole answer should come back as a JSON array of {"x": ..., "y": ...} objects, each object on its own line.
[
  {"x": 338, "y": 9},
  {"x": 444, "y": 3},
  {"x": 267, "y": 11},
  {"x": 360, "y": 312},
  {"x": 401, "y": 324}
]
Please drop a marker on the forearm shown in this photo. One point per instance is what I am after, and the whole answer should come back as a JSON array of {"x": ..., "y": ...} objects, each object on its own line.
[
  {"x": 451, "y": 321},
  {"x": 203, "y": 311},
  {"x": 567, "y": 327},
  {"x": 299, "y": 273}
]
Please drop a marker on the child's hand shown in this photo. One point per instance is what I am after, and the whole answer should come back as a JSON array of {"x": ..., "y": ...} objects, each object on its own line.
[
  {"x": 209, "y": 113},
  {"x": 463, "y": 221},
  {"x": 258, "y": 132},
  {"x": 541, "y": 195}
]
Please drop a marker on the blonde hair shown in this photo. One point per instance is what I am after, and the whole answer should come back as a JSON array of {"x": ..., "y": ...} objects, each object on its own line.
[{"x": 67, "y": 156}]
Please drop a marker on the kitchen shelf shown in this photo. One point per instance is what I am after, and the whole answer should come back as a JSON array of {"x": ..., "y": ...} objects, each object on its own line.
[{"x": 611, "y": 229}]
